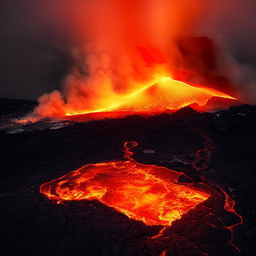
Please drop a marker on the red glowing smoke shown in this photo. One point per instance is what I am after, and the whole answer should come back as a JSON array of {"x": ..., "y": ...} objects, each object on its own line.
[{"x": 120, "y": 47}]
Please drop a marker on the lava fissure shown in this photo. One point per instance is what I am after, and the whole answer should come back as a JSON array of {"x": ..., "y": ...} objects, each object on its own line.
[{"x": 205, "y": 155}]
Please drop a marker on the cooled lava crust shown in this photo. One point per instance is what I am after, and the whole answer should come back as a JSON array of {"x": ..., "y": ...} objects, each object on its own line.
[{"x": 33, "y": 225}]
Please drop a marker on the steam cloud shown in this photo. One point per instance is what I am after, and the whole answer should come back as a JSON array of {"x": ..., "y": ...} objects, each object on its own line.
[{"x": 117, "y": 45}]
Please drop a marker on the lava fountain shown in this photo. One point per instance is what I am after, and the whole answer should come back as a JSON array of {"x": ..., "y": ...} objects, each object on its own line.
[{"x": 147, "y": 193}]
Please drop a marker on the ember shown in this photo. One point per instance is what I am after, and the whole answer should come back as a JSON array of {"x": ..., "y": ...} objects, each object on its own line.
[{"x": 142, "y": 192}]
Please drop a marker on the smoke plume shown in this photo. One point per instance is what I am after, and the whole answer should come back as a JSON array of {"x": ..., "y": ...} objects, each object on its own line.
[{"x": 117, "y": 46}]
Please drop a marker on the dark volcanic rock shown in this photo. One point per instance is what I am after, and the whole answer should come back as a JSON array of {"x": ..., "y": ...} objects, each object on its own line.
[{"x": 33, "y": 225}]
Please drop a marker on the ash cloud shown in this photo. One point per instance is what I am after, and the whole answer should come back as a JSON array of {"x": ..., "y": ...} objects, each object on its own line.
[
  {"x": 118, "y": 46},
  {"x": 64, "y": 45}
]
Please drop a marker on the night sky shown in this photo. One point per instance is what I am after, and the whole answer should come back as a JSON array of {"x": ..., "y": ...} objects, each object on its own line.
[{"x": 32, "y": 62}]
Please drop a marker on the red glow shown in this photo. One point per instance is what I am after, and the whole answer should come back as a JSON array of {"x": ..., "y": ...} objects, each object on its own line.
[
  {"x": 127, "y": 57},
  {"x": 27, "y": 120},
  {"x": 147, "y": 193},
  {"x": 166, "y": 94},
  {"x": 163, "y": 94}
]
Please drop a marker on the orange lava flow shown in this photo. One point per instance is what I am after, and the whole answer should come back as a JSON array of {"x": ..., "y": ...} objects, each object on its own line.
[
  {"x": 30, "y": 119},
  {"x": 162, "y": 94},
  {"x": 142, "y": 192}
]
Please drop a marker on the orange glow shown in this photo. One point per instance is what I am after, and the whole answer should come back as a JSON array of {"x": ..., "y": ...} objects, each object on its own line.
[
  {"x": 27, "y": 120},
  {"x": 160, "y": 95},
  {"x": 166, "y": 94},
  {"x": 142, "y": 192},
  {"x": 126, "y": 57}
]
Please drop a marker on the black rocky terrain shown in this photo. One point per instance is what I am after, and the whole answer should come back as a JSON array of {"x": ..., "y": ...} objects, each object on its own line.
[{"x": 33, "y": 154}]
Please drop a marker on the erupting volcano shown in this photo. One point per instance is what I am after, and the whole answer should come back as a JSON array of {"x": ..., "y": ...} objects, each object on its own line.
[
  {"x": 120, "y": 71},
  {"x": 166, "y": 94},
  {"x": 135, "y": 56},
  {"x": 143, "y": 192}
]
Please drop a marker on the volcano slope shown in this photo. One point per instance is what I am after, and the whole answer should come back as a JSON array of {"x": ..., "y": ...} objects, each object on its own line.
[{"x": 217, "y": 149}]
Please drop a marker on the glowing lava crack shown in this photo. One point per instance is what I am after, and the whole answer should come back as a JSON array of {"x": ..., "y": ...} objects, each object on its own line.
[{"x": 142, "y": 192}]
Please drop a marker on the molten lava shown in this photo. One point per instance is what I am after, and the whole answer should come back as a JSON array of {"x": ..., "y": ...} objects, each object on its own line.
[
  {"x": 163, "y": 94},
  {"x": 132, "y": 56},
  {"x": 142, "y": 192}
]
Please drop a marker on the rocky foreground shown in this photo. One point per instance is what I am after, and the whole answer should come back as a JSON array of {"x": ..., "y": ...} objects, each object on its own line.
[{"x": 217, "y": 149}]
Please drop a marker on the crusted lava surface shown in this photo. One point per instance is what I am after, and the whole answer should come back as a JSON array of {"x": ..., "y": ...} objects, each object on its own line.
[{"x": 217, "y": 149}]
